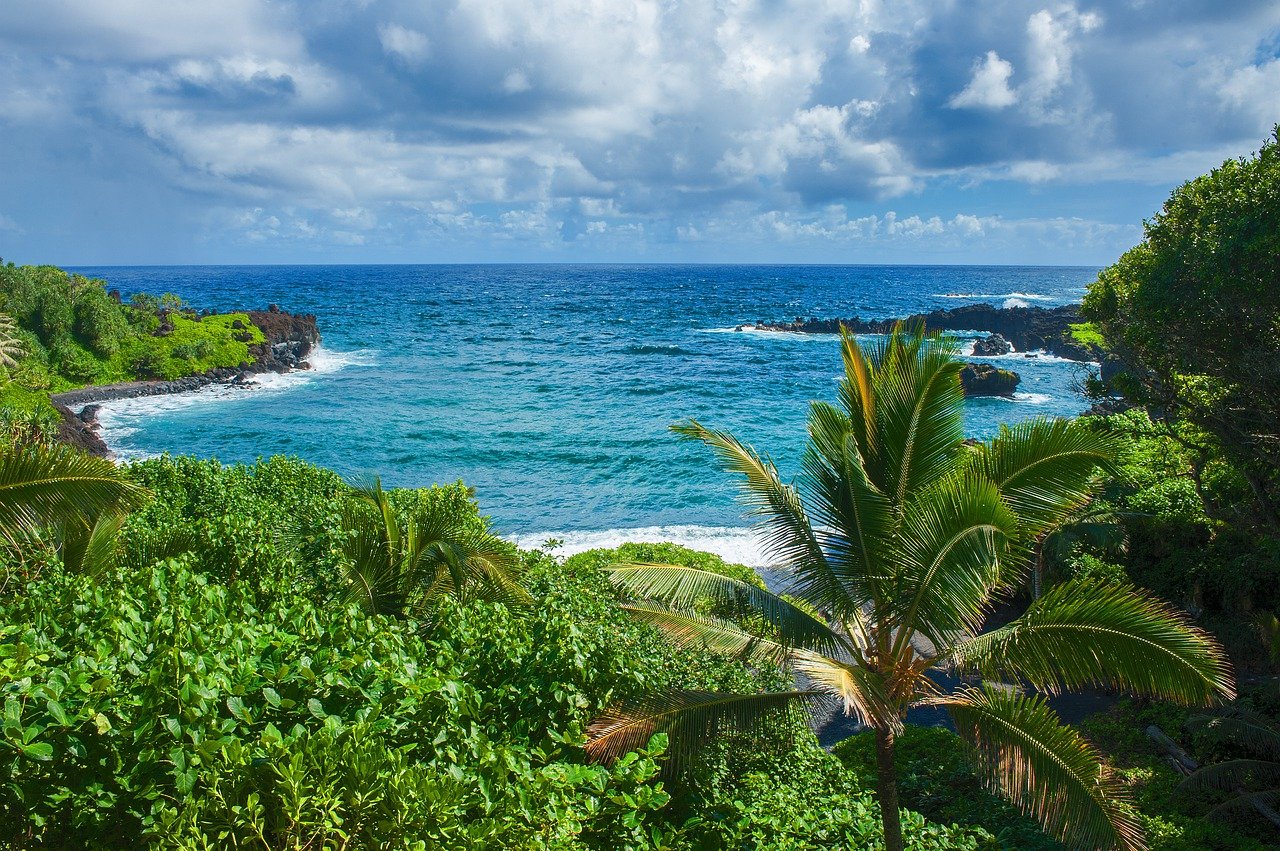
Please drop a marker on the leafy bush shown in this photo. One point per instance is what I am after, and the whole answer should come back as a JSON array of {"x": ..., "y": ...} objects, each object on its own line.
[
  {"x": 208, "y": 693},
  {"x": 1192, "y": 312}
]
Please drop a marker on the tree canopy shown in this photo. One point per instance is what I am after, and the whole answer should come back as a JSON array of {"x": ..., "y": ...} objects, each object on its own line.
[{"x": 1193, "y": 312}]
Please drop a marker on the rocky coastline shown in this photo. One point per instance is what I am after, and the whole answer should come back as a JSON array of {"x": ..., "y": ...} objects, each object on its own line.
[
  {"x": 290, "y": 339},
  {"x": 1026, "y": 328}
]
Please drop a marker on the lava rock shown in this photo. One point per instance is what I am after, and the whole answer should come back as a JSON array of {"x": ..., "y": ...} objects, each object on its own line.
[
  {"x": 989, "y": 347},
  {"x": 983, "y": 379}
]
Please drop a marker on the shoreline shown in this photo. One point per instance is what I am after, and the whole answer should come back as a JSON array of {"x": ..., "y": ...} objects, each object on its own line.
[{"x": 290, "y": 342}]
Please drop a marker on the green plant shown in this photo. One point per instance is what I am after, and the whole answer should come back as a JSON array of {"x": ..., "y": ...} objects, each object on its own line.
[
  {"x": 1191, "y": 311},
  {"x": 42, "y": 485},
  {"x": 915, "y": 534},
  {"x": 11, "y": 344},
  {"x": 400, "y": 565}
]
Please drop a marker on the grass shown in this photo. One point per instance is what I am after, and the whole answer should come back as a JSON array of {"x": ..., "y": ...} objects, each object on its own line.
[
  {"x": 1086, "y": 334},
  {"x": 194, "y": 346}
]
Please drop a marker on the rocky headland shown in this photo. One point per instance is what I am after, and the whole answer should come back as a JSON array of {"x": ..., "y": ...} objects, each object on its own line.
[
  {"x": 290, "y": 338},
  {"x": 1024, "y": 328}
]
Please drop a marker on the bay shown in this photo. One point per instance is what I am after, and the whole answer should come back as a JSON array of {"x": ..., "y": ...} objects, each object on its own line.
[{"x": 550, "y": 389}]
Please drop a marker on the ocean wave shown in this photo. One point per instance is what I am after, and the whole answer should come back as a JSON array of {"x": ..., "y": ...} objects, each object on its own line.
[
  {"x": 733, "y": 544},
  {"x": 1022, "y": 398},
  {"x": 1030, "y": 357},
  {"x": 118, "y": 419},
  {"x": 648, "y": 349},
  {"x": 1013, "y": 295},
  {"x": 757, "y": 332}
]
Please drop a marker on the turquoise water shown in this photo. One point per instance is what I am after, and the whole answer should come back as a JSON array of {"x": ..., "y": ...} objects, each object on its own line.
[{"x": 549, "y": 389}]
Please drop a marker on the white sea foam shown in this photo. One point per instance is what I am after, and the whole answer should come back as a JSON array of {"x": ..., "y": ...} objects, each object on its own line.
[
  {"x": 1013, "y": 295},
  {"x": 118, "y": 419},
  {"x": 756, "y": 331},
  {"x": 736, "y": 545}
]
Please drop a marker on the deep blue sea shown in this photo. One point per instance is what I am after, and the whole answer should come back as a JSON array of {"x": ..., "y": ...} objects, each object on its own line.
[{"x": 549, "y": 389}]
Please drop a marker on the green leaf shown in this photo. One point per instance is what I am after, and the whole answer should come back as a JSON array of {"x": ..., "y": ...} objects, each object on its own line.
[
  {"x": 1045, "y": 768},
  {"x": 42, "y": 751},
  {"x": 1091, "y": 633},
  {"x": 59, "y": 714}
]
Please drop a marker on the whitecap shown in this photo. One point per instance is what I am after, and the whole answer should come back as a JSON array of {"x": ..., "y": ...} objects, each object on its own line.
[
  {"x": 1023, "y": 398},
  {"x": 733, "y": 544},
  {"x": 1012, "y": 295}
]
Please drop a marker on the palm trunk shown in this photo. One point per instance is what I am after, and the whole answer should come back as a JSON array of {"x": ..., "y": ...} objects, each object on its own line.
[{"x": 887, "y": 787}]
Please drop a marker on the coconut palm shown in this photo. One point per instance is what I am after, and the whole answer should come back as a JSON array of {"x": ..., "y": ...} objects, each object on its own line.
[
  {"x": 44, "y": 485},
  {"x": 1252, "y": 781},
  {"x": 11, "y": 345},
  {"x": 398, "y": 566},
  {"x": 901, "y": 536}
]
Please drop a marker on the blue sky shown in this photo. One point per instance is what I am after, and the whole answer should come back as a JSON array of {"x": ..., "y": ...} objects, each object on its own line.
[{"x": 861, "y": 131}]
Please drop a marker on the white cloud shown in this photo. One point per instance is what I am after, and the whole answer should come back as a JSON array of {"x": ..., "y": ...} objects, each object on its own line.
[
  {"x": 988, "y": 87},
  {"x": 410, "y": 45},
  {"x": 502, "y": 119}
]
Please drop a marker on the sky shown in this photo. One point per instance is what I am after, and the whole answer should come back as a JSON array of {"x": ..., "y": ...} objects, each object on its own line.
[{"x": 789, "y": 131}]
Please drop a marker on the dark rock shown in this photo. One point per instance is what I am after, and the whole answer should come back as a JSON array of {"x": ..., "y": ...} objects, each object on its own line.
[
  {"x": 983, "y": 379},
  {"x": 114, "y": 295},
  {"x": 238, "y": 325},
  {"x": 992, "y": 346},
  {"x": 77, "y": 432},
  {"x": 1026, "y": 328},
  {"x": 164, "y": 329},
  {"x": 273, "y": 308}
]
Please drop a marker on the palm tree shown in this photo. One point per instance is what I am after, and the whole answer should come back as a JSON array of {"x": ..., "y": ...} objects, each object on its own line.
[
  {"x": 11, "y": 345},
  {"x": 1252, "y": 781},
  {"x": 901, "y": 536},
  {"x": 43, "y": 485},
  {"x": 397, "y": 566}
]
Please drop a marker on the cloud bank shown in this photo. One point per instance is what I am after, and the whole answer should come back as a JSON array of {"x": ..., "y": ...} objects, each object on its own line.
[{"x": 791, "y": 130}]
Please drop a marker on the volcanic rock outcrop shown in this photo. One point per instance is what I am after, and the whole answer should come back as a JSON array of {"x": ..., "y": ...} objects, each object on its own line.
[{"x": 1027, "y": 328}]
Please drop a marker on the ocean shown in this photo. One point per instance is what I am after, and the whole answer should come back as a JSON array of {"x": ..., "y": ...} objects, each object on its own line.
[{"x": 550, "y": 388}]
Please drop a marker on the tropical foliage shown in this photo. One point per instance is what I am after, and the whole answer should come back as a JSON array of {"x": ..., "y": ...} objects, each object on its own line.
[
  {"x": 191, "y": 674},
  {"x": 67, "y": 330},
  {"x": 1191, "y": 312},
  {"x": 901, "y": 537}
]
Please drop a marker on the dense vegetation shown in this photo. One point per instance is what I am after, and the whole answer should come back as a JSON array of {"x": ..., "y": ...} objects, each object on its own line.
[
  {"x": 60, "y": 330},
  {"x": 1191, "y": 313},
  {"x": 205, "y": 681}
]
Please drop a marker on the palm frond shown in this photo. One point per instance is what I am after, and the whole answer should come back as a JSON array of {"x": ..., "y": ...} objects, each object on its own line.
[
  {"x": 1045, "y": 468},
  {"x": 1244, "y": 727},
  {"x": 953, "y": 534},
  {"x": 858, "y": 395},
  {"x": 92, "y": 551},
  {"x": 689, "y": 718},
  {"x": 1234, "y": 776},
  {"x": 919, "y": 411},
  {"x": 1045, "y": 768},
  {"x": 683, "y": 587},
  {"x": 857, "y": 520},
  {"x": 712, "y": 634},
  {"x": 1090, "y": 633},
  {"x": 45, "y": 485},
  {"x": 11, "y": 345},
  {"x": 788, "y": 538},
  {"x": 861, "y": 691}
]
